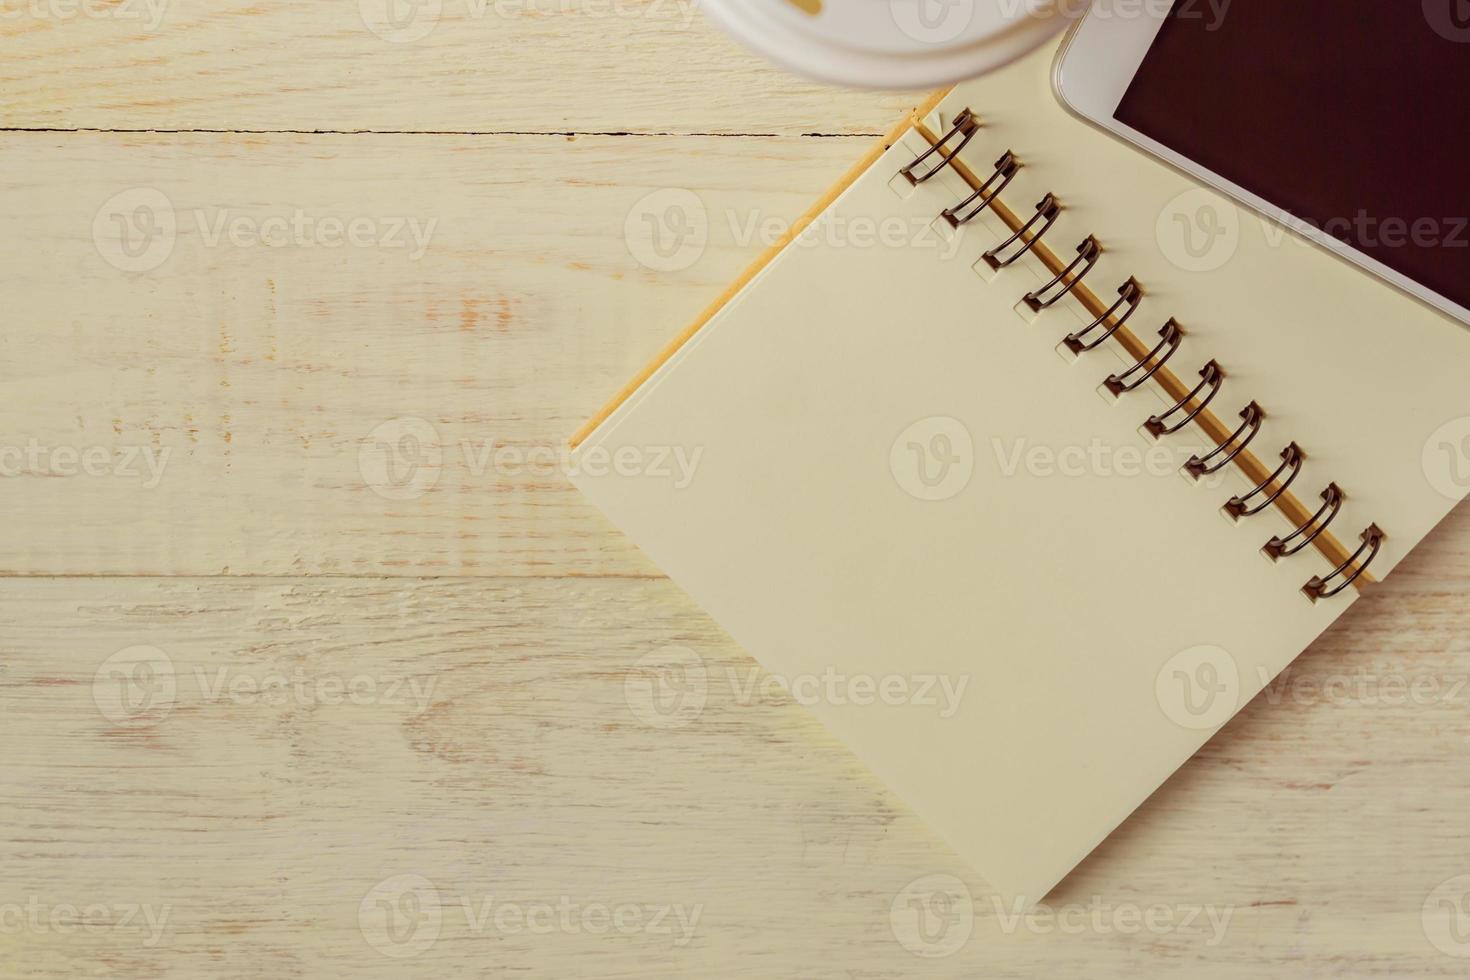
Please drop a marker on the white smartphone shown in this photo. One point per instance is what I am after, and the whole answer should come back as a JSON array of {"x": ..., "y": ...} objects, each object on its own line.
[{"x": 1345, "y": 124}]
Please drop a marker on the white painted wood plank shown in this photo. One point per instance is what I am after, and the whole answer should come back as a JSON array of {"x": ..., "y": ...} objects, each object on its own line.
[
  {"x": 524, "y": 770},
  {"x": 197, "y": 380},
  {"x": 454, "y": 66}
]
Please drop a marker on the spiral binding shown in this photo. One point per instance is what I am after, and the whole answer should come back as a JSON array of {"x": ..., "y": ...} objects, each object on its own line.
[
  {"x": 1224, "y": 454},
  {"x": 1005, "y": 169},
  {"x": 1068, "y": 279},
  {"x": 1291, "y": 459},
  {"x": 966, "y": 124},
  {"x": 1284, "y": 547},
  {"x": 1187, "y": 409},
  {"x": 1212, "y": 376},
  {"x": 1350, "y": 570},
  {"x": 1130, "y": 294},
  {"x": 1149, "y": 364},
  {"x": 1047, "y": 210}
]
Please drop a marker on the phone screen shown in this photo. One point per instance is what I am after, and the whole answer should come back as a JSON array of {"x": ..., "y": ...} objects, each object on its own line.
[{"x": 1350, "y": 115}]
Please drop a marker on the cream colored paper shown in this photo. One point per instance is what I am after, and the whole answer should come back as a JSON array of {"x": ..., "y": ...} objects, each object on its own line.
[{"x": 901, "y": 482}]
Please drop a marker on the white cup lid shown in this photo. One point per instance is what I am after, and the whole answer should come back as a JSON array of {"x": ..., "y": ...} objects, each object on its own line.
[{"x": 891, "y": 43}]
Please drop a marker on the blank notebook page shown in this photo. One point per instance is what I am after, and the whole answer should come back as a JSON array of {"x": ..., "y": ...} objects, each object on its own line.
[{"x": 900, "y": 475}]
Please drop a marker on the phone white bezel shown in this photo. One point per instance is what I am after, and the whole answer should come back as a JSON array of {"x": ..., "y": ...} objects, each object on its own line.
[{"x": 1097, "y": 62}]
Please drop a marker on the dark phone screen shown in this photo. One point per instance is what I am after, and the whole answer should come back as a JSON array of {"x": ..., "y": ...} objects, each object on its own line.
[{"x": 1352, "y": 115}]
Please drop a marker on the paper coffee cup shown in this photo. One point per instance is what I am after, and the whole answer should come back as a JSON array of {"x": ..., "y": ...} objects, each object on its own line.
[{"x": 892, "y": 43}]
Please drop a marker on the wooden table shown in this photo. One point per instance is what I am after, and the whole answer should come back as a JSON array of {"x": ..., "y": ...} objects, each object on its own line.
[{"x": 312, "y": 663}]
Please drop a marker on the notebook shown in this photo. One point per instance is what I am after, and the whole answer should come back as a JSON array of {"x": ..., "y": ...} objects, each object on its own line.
[{"x": 1065, "y": 432}]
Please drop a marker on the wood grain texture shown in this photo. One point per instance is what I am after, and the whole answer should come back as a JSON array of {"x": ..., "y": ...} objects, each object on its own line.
[
  {"x": 525, "y": 769},
  {"x": 463, "y": 693},
  {"x": 523, "y": 66},
  {"x": 275, "y": 370}
]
